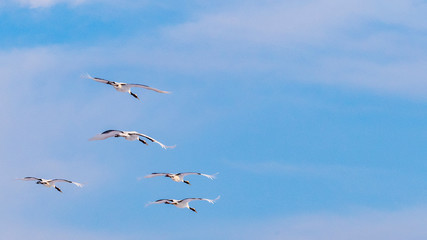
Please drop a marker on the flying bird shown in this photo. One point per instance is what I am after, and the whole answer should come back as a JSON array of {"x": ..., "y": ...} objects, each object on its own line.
[
  {"x": 128, "y": 135},
  {"x": 124, "y": 87},
  {"x": 50, "y": 182},
  {"x": 182, "y": 203},
  {"x": 179, "y": 177}
]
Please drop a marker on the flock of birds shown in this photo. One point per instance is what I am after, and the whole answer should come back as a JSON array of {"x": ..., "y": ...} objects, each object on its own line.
[{"x": 133, "y": 136}]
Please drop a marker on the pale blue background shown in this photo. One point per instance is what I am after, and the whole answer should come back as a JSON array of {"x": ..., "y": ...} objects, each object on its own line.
[{"x": 313, "y": 113}]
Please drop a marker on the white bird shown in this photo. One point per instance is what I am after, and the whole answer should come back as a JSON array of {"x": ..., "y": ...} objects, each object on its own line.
[
  {"x": 124, "y": 87},
  {"x": 128, "y": 135},
  {"x": 179, "y": 177},
  {"x": 50, "y": 182},
  {"x": 182, "y": 203}
]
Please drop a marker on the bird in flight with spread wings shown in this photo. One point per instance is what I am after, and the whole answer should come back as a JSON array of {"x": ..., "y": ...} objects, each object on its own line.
[
  {"x": 183, "y": 203},
  {"x": 50, "y": 182},
  {"x": 124, "y": 87},
  {"x": 179, "y": 177},
  {"x": 128, "y": 135}
]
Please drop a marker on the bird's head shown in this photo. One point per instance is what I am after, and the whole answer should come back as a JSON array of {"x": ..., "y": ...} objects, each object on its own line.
[
  {"x": 187, "y": 182},
  {"x": 192, "y": 209}
]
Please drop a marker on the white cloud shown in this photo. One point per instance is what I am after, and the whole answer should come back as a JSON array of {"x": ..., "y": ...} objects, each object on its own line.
[
  {"x": 277, "y": 22},
  {"x": 47, "y": 3},
  {"x": 369, "y": 224},
  {"x": 408, "y": 224},
  {"x": 40, "y": 231},
  {"x": 374, "y": 45},
  {"x": 282, "y": 168},
  {"x": 41, "y": 4}
]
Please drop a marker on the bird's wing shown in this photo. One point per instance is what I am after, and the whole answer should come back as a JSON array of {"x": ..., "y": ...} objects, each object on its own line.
[
  {"x": 30, "y": 179},
  {"x": 186, "y": 200},
  {"x": 188, "y": 173},
  {"x": 68, "y": 181},
  {"x": 105, "y": 135},
  {"x": 151, "y": 139},
  {"x": 196, "y": 173},
  {"x": 146, "y": 87},
  {"x": 156, "y": 175},
  {"x": 101, "y": 80},
  {"x": 160, "y": 201}
]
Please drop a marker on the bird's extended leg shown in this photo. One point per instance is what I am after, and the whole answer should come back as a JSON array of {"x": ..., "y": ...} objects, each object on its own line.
[
  {"x": 187, "y": 182},
  {"x": 134, "y": 95},
  {"x": 57, "y": 188},
  {"x": 142, "y": 140}
]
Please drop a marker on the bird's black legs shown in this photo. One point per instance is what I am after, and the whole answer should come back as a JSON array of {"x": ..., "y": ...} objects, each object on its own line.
[
  {"x": 134, "y": 95},
  {"x": 57, "y": 188},
  {"x": 192, "y": 209},
  {"x": 187, "y": 182},
  {"x": 142, "y": 140}
]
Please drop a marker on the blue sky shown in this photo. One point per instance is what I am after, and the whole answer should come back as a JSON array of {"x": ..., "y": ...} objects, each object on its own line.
[{"x": 313, "y": 113}]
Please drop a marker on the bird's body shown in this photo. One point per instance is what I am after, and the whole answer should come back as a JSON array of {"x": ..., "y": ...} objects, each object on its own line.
[
  {"x": 179, "y": 177},
  {"x": 184, "y": 203},
  {"x": 128, "y": 135},
  {"x": 124, "y": 87},
  {"x": 50, "y": 182}
]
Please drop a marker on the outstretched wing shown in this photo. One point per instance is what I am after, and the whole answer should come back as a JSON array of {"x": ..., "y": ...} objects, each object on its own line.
[
  {"x": 151, "y": 139},
  {"x": 146, "y": 87},
  {"x": 196, "y": 173},
  {"x": 105, "y": 135},
  {"x": 101, "y": 80},
  {"x": 186, "y": 200},
  {"x": 68, "y": 181},
  {"x": 30, "y": 179},
  {"x": 160, "y": 201},
  {"x": 156, "y": 175}
]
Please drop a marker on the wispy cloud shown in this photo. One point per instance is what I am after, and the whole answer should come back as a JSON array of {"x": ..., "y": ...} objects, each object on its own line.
[
  {"x": 362, "y": 224},
  {"x": 377, "y": 46},
  {"x": 312, "y": 22},
  {"x": 373, "y": 45},
  {"x": 47, "y": 3},
  {"x": 282, "y": 168}
]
